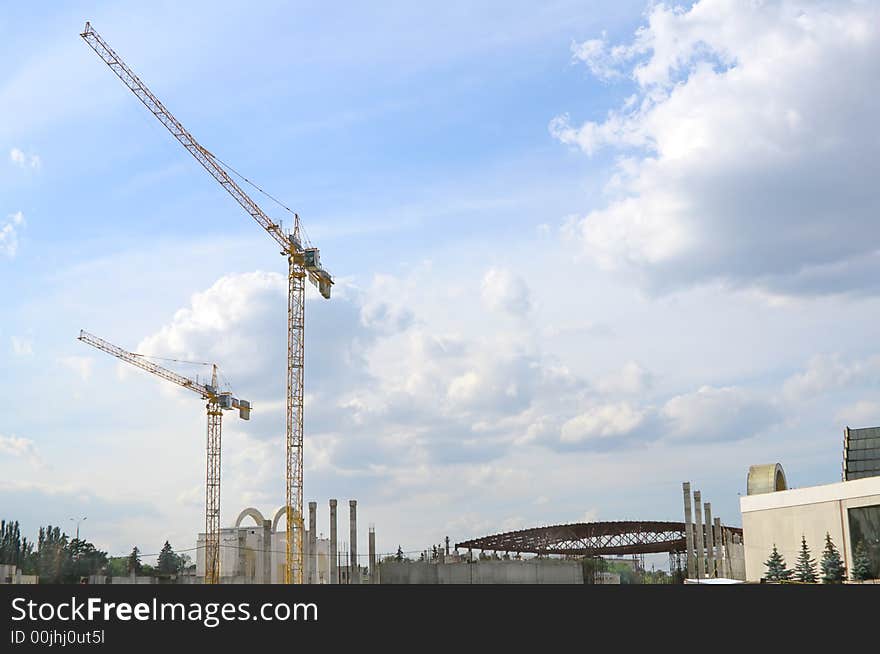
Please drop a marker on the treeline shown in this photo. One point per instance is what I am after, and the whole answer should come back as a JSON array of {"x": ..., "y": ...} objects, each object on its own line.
[
  {"x": 56, "y": 558},
  {"x": 169, "y": 563}
]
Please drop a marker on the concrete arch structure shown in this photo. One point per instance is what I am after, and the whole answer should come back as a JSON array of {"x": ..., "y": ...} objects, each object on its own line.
[
  {"x": 253, "y": 513},
  {"x": 280, "y": 514},
  {"x": 766, "y": 478}
]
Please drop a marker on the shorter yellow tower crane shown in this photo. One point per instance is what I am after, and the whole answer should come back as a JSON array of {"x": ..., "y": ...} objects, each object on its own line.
[{"x": 217, "y": 401}]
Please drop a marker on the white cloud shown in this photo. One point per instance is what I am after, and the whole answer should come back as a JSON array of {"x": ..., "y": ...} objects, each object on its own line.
[
  {"x": 20, "y": 447},
  {"x": 240, "y": 322},
  {"x": 382, "y": 308},
  {"x": 21, "y": 347},
  {"x": 744, "y": 155},
  {"x": 826, "y": 373},
  {"x": 709, "y": 414},
  {"x": 864, "y": 413},
  {"x": 80, "y": 365},
  {"x": 503, "y": 290},
  {"x": 630, "y": 379},
  {"x": 23, "y": 160},
  {"x": 9, "y": 234},
  {"x": 604, "y": 62},
  {"x": 602, "y": 422}
]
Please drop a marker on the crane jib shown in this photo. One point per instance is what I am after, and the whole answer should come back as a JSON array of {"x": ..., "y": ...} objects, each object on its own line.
[
  {"x": 318, "y": 276},
  {"x": 225, "y": 400}
]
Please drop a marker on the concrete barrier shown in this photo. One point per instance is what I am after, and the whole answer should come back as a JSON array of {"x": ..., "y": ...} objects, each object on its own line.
[{"x": 530, "y": 571}]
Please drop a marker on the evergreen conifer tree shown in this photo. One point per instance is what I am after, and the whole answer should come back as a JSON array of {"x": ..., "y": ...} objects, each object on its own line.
[
  {"x": 833, "y": 571},
  {"x": 776, "y": 569},
  {"x": 805, "y": 569},
  {"x": 861, "y": 563},
  {"x": 169, "y": 562},
  {"x": 134, "y": 561}
]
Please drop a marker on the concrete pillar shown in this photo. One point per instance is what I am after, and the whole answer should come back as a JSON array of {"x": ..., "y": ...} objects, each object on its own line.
[
  {"x": 372, "y": 555},
  {"x": 725, "y": 550},
  {"x": 334, "y": 572},
  {"x": 698, "y": 528},
  {"x": 240, "y": 565},
  {"x": 689, "y": 530},
  {"x": 719, "y": 555},
  {"x": 313, "y": 543},
  {"x": 267, "y": 552},
  {"x": 354, "y": 569},
  {"x": 307, "y": 554},
  {"x": 710, "y": 546}
]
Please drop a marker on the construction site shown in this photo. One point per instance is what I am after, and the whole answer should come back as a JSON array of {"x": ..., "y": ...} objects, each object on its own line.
[
  {"x": 255, "y": 549},
  {"x": 613, "y": 437}
]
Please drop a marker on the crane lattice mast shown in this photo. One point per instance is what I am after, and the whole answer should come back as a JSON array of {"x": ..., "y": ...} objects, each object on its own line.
[
  {"x": 302, "y": 262},
  {"x": 216, "y": 402}
]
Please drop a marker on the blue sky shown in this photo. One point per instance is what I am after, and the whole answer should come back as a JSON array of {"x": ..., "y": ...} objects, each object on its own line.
[{"x": 583, "y": 252}]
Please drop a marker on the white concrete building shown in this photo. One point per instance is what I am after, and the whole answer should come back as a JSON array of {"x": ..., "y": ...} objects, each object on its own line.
[
  {"x": 255, "y": 553},
  {"x": 849, "y": 511}
]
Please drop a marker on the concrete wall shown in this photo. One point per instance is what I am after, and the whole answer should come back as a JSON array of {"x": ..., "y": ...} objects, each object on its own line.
[
  {"x": 10, "y": 574},
  {"x": 7, "y": 573},
  {"x": 781, "y": 518},
  {"x": 607, "y": 579},
  {"x": 735, "y": 562},
  {"x": 240, "y": 552},
  {"x": 531, "y": 571},
  {"x": 133, "y": 580}
]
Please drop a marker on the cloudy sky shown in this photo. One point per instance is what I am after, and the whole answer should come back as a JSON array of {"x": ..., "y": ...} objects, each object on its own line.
[{"x": 582, "y": 251}]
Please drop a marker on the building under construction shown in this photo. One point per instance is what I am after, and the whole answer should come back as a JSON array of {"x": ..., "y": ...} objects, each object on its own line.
[{"x": 252, "y": 551}]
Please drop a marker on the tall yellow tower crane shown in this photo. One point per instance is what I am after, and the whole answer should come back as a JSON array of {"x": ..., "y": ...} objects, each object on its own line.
[
  {"x": 217, "y": 402},
  {"x": 303, "y": 262}
]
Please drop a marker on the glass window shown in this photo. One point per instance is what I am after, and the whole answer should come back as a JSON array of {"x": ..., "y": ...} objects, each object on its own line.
[{"x": 864, "y": 527}]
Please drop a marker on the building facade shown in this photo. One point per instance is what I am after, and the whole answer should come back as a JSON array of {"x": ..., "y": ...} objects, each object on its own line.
[
  {"x": 848, "y": 511},
  {"x": 861, "y": 453}
]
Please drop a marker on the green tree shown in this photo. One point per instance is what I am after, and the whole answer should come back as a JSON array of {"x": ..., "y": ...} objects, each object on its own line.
[
  {"x": 776, "y": 568},
  {"x": 169, "y": 562},
  {"x": 805, "y": 569},
  {"x": 134, "y": 562},
  {"x": 399, "y": 555},
  {"x": 861, "y": 563},
  {"x": 117, "y": 566},
  {"x": 593, "y": 566},
  {"x": 833, "y": 571},
  {"x": 52, "y": 555},
  {"x": 83, "y": 559},
  {"x": 184, "y": 561},
  {"x": 15, "y": 549}
]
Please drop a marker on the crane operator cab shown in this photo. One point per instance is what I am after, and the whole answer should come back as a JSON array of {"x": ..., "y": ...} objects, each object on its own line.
[{"x": 320, "y": 277}]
